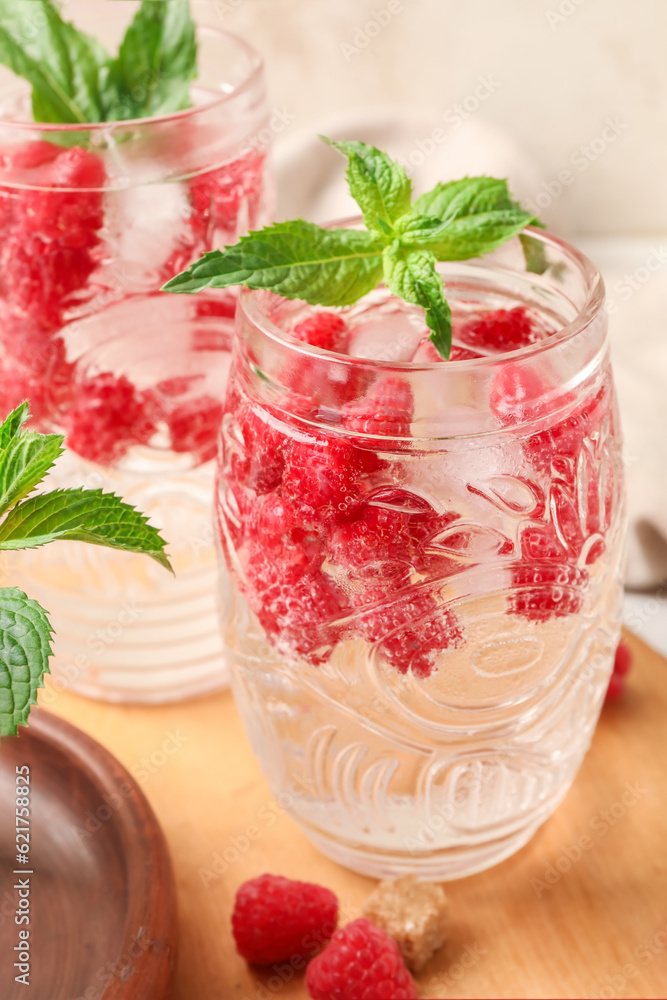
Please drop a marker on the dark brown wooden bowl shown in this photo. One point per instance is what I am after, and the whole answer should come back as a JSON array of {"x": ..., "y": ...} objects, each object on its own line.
[{"x": 102, "y": 896}]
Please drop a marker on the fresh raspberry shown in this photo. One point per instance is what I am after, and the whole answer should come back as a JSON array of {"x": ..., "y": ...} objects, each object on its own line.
[
  {"x": 500, "y": 331},
  {"x": 546, "y": 590},
  {"x": 108, "y": 416},
  {"x": 227, "y": 201},
  {"x": 71, "y": 216},
  {"x": 335, "y": 383},
  {"x": 257, "y": 460},
  {"x": 376, "y": 538},
  {"x": 276, "y": 919},
  {"x": 326, "y": 475},
  {"x": 385, "y": 411},
  {"x": 39, "y": 277},
  {"x": 325, "y": 330},
  {"x": 278, "y": 525},
  {"x": 410, "y": 628},
  {"x": 622, "y": 666},
  {"x": 517, "y": 394},
  {"x": 296, "y": 604},
  {"x": 50, "y": 236},
  {"x": 23, "y": 156},
  {"x": 622, "y": 659},
  {"x": 361, "y": 962},
  {"x": 194, "y": 427}
]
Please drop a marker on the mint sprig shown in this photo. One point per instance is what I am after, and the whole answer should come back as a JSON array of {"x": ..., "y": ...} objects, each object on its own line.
[
  {"x": 31, "y": 521},
  {"x": 402, "y": 243},
  {"x": 25, "y": 650},
  {"x": 74, "y": 80}
]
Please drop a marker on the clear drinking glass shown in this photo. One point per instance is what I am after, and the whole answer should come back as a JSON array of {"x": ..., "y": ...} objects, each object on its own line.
[
  {"x": 422, "y": 593},
  {"x": 92, "y": 222}
]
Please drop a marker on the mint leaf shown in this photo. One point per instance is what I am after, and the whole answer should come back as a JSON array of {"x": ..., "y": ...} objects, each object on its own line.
[
  {"x": 156, "y": 62},
  {"x": 25, "y": 648},
  {"x": 23, "y": 464},
  {"x": 335, "y": 267},
  {"x": 81, "y": 515},
  {"x": 464, "y": 236},
  {"x": 11, "y": 426},
  {"x": 75, "y": 81},
  {"x": 25, "y": 458},
  {"x": 297, "y": 259},
  {"x": 412, "y": 275},
  {"x": 379, "y": 185},
  {"x": 65, "y": 66},
  {"x": 467, "y": 196},
  {"x": 535, "y": 254}
]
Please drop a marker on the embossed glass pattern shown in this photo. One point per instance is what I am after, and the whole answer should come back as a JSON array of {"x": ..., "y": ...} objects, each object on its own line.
[{"x": 422, "y": 593}]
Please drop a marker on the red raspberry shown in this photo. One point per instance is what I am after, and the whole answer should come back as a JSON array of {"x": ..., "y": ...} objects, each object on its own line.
[
  {"x": 39, "y": 278},
  {"x": 73, "y": 216},
  {"x": 227, "y": 201},
  {"x": 500, "y": 331},
  {"x": 107, "y": 418},
  {"x": 622, "y": 666},
  {"x": 259, "y": 460},
  {"x": 410, "y": 628},
  {"x": 276, "y": 919},
  {"x": 622, "y": 659},
  {"x": 517, "y": 394},
  {"x": 360, "y": 963},
  {"x": 385, "y": 411},
  {"x": 547, "y": 590},
  {"x": 278, "y": 524},
  {"x": 296, "y": 604},
  {"x": 49, "y": 235},
  {"x": 325, "y": 330},
  {"x": 194, "y": 427},
  {"x": 376, "y": 538},
  {"x": 334, "y": 383},
  {"x": 26, "y": 156},
  {"x": 325, "y": 474}
]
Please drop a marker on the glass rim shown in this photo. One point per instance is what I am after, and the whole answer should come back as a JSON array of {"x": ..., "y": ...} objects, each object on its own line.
[
  {"x": 249, "y": 303},
  {"x": 254, "y": 73}
]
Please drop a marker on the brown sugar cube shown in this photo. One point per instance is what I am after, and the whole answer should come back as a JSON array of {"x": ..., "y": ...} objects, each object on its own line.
[{"x": 413, "y": 913}]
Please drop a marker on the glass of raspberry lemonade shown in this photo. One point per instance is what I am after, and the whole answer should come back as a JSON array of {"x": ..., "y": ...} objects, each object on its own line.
[
  {"x": 423, "y": 592},
  {"x": 93, "y": 220}
]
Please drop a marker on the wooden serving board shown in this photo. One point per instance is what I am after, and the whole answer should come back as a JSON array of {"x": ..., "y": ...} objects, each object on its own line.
[{"x": 580, "y": 912}]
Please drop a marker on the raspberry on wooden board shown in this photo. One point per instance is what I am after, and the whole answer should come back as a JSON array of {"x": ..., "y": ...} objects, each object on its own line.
[
  {"x": 276, "y": 919},
  {"x": 361, "y": 962}
]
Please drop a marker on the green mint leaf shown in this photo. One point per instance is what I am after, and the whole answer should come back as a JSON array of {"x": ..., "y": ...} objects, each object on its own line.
[
  {"x": 64, "y": 66},
  {"x": 535, "y": 254},
  {"x": 156, "y": 63},
  {"x": 379, "y": 185},
  {"x": 467, "y": 196},
  {"x": 299, "y": 260},
  {"x": 412, "y": 275},
  {"x": 465, "y": 236},
  {"x": 11, "y": 426},
  {"x": 25, "y": 648},
  {"x": 477, "y": 196},
  {"x": 81, "y": 515},
  {"x": 24, "y": 462}
]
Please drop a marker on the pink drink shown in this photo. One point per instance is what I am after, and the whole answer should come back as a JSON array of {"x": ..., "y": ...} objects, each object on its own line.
[
  {"x": 92, "y": 223},
  {"x": 424, "y": 588}
]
